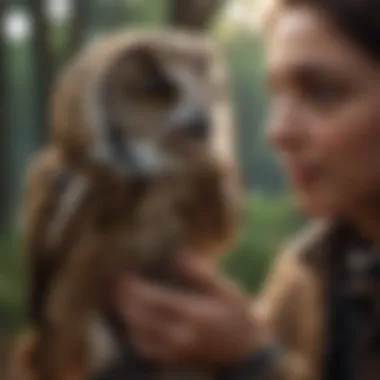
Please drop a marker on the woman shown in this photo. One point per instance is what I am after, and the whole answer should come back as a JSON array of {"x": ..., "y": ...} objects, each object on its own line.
[{"x": 318, "y": 315}]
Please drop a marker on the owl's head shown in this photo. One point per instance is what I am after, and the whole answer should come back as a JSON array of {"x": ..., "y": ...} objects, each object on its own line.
[{"x": 144, "y": 103}]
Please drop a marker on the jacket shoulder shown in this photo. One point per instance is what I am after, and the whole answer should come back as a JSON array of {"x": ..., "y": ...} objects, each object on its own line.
[{"x": 296, "y": 266}]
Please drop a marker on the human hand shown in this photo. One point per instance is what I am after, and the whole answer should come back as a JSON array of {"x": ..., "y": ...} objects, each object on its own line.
[{"x": 212, "y": 329}]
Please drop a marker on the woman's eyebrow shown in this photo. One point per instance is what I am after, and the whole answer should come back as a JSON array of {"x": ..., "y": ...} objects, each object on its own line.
[
  {"x": 311, "y": 69},
  {"x": 307, "y": 71},
  {"x": 299, "y": 71}
]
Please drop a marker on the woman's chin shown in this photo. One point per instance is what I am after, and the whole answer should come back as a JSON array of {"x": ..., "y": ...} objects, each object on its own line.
[{"x": 316, "y": 205}]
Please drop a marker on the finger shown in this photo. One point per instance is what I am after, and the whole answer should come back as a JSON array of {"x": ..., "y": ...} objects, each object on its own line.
[
  {"x": 200, "y": 274},
  {"x": 203, "y": 276},
  {"x": 232, "y": 290},
  {"x": 153, "y": 300},
  {"x": 159, "y": 340},
  {"x": 140, "y": 323},
  {"x": 164, "y": 349},
  {"x": 146, "y": 339},
  {"x": 154, "y": 350}
]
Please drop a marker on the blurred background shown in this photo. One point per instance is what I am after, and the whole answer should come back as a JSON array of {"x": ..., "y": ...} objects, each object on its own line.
[{"x": 38, "y": 37}]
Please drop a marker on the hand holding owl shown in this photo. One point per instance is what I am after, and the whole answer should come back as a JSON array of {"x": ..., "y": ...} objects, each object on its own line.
[{"x": 215, "y": 329}]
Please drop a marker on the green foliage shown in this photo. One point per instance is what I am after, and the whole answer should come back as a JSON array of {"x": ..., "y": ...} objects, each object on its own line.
[
  {"x": 21, "y": 114},
  {"x": 268, "y": 222},
  {"x": 244, "y": 54},
  {"x": 12, "y": 285},
  {"x": 115, "y": 14}
]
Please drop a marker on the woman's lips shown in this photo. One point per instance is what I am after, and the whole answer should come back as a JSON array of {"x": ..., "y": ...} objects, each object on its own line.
[{"x": 303, "y": 176}]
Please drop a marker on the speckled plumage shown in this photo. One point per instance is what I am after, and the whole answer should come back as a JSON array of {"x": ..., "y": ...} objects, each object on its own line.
[{"x": 122, "y": 218}]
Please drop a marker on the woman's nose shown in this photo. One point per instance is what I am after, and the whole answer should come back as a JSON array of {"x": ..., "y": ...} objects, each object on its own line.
[{"x": 286, "y": 130}]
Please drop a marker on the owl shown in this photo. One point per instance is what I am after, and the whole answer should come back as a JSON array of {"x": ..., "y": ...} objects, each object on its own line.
[{"x": 139, "y": 163}]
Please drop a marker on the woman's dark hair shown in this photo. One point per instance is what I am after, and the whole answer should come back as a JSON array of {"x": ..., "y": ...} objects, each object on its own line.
[{"x": 359, "y": 20}]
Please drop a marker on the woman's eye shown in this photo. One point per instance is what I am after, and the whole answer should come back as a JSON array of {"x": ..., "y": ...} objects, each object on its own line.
[{"x": 325, "y": 94}]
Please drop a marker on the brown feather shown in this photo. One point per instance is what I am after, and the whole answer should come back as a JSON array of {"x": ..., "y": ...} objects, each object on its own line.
[{"x": 122, "y": 221}]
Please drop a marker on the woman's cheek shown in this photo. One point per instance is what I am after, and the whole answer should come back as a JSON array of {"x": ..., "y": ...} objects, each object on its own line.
[{"x": 351, "y": 150}]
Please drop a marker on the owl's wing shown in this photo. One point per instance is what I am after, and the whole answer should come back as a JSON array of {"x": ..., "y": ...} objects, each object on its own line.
[{"x": 47, "y": 208}]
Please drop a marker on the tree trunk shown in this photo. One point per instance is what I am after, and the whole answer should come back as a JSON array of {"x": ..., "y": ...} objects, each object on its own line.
[
  {"x": 78, "y": 27},
  {"x": 43, "y": 66},
  {"x": 5, "y": 144},
  {"x": 194, "y": 14}
]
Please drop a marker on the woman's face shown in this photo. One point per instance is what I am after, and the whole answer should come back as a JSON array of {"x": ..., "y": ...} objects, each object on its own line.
[{"x": 326, "y": 114}]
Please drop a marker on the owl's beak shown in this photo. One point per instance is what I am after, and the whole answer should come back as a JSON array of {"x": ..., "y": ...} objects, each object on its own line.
[{"x": 197, "y": 125}]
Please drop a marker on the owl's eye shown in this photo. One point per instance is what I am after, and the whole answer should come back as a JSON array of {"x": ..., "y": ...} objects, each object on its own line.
[{"x": 155, "y": 89}]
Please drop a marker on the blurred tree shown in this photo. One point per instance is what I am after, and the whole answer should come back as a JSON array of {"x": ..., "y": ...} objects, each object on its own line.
[
  {"x": 4, "y": 127},
  {"x": 108, "y": 15},
  {"x": 78, "y": 27},
  {"x": 195, "y": 14},
  {"x": 245, "y": 53},
  {"x": 147, "y": 13},
  {"x": 15, "y": 2},
  {"x": 43, "y": 64}
]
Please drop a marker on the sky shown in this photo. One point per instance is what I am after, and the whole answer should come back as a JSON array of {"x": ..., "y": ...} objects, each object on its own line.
[{"x": 18, "y": 25}]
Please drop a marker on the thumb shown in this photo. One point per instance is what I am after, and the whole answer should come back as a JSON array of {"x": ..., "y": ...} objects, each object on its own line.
[{"x": 199, "y": 272}]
